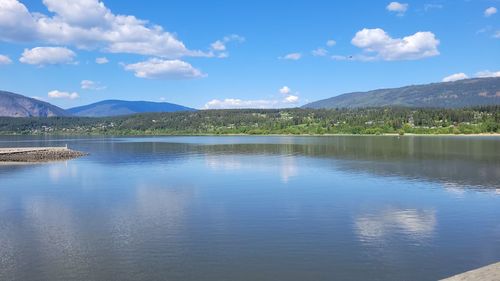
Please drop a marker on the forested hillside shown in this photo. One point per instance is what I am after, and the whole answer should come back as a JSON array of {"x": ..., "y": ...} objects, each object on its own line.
[
  {"x": 457, "y": 94},
  {"x": 271, "y": 121}
]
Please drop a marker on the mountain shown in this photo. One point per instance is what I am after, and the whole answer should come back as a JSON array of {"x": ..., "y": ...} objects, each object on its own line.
[
  {"x": 14, "y": 105},
  {"x": 120, "y": 107},
  {"x": 462, "y": 93}
]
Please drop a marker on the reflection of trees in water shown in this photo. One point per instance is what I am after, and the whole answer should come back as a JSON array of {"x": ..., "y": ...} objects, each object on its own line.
[
  {"x": 461, "y": 161},
  {"x": 374, "y": 148}
]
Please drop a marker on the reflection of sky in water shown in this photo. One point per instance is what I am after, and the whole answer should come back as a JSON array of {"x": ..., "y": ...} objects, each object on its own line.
[
  {"x": 223, "y": 162},
  {"x": 287, "y": 165},
  {"x": 247, "y": 212},
  {"x": 413, "y": 224},
  {"x": 461, "y": 161}
]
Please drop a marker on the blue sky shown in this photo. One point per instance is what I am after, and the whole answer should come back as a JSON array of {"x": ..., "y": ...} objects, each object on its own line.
[{"x": 227, "y": 54}]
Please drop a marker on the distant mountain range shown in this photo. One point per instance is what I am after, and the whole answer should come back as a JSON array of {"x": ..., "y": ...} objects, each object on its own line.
[
  {"x": 120, "y": 107},
  {"x": 462, "y": 93},
  {"x": 15, "y": 105}
]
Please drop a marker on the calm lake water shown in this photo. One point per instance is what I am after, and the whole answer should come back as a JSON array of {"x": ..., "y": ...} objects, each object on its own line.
[{"x": 252, "y": 208}]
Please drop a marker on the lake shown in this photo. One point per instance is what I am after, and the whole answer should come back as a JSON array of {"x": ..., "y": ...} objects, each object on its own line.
[{"x": 252, "y": 208}]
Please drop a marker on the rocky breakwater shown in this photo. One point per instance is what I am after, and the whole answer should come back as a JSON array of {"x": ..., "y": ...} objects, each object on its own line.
[{"x": 38, "y": 154}]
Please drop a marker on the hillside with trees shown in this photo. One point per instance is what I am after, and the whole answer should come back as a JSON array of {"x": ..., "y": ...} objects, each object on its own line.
[
  {"x": 399, "y": 120},
  {"x": 457, "y": 94}
]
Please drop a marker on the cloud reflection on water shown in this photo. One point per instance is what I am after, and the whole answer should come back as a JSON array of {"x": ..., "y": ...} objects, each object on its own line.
[
  {"x": 286, "y": 165},
  {"x": 410, "y": 223}
]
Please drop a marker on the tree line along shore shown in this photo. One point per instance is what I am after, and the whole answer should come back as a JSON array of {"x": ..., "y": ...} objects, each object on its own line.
[{"x": 393, "y": 120}]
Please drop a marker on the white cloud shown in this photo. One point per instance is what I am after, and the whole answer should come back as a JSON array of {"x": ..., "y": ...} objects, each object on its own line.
[
  {"x": 490, "y": 11},
  {"x": 497, "y": 34},
  {"x": 48, "y": 55},
  {"x": 286, "y": 100},
  {"x": 218, "y": 46},
  {"x": 239, "y": 103},
  {"x": 380, "y": 45},
  {"x": 291, "y": 99},
  {"x": 487, "y": 73},
  {"x": 455, "y": 77},
  {"x": 55, "y": 94},
  {"x": 292, "y": 56},
  {"x": 288, "y": 96},
  {"x": 16, "y": 23},
  {"x": 223, "y": 55},
  {"x": 5, "y": 60},
  {"x": 331, "y": 43},
  {"x": 88, "y": 24},
  {"x": 233, "y": 38},
  {"x": 319, "y": 52},
  {"x": 399, "y": 8},
  {"x": 164, "y": 69},
  {"x": 285, "y": 90},
  {"x": 101, "y": 60},
  {"x": 38, "y": 98},
  {"x": 91, "y": 85},
  {"x": 81, "y": 13},
  {"x": 479, "y": 74}
]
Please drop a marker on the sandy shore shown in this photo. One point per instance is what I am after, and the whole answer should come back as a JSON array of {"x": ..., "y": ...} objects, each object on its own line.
[{"x": 37, "y": 154}]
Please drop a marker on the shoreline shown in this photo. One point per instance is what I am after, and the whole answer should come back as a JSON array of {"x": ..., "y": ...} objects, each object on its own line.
[
  {"x": 37, "y": 154},
  {"x": 486, "y": 273},
  {"x": 256, "y": 135}
]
